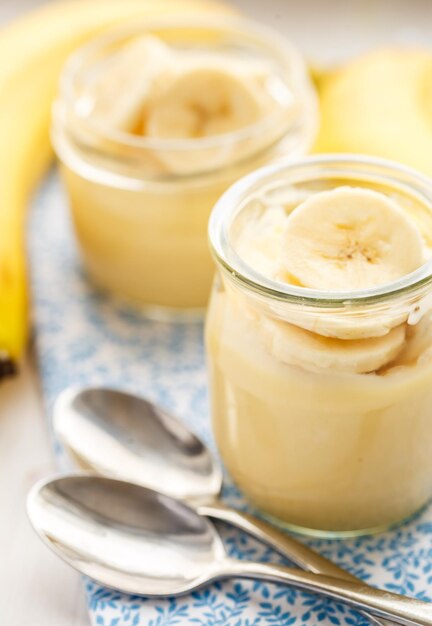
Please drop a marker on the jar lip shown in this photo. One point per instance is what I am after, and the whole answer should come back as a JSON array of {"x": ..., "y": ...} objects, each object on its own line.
[
  {"x": 229, "y": 204},
  {"x": 235, "y": 24}
]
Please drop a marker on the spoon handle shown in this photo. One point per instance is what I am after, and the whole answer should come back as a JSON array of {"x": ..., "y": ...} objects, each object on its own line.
[
  {"x": 399, "y": 609},
  {"x": 287, "y": 546}
]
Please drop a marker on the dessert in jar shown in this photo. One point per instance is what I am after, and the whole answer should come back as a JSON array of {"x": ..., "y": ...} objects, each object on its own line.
[
  {"x": 319, "y": 340},
  {"x": 152, "y": 124}
]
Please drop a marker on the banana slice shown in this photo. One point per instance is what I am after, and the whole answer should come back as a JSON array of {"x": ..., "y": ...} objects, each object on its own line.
[
  {"x": 347, "y": 327},
  {"x": 349, "y": 238},
  {"x": 204, "y": 102},
  {"x": 124, "y": 89},
  {"x": 296, "y": 346},
  {"x": 263, "y": 74}
]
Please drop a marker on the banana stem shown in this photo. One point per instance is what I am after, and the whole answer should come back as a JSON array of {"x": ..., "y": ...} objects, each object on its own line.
[{"x": 7, "y": 367}]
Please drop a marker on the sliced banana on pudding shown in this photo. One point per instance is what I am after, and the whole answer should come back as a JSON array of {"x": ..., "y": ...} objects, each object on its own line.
[
  {"x": 204, "y": 102},
  {"x": 349, "y": 239},
  {"x": 134, "y": 76},
  {"x": 344, "y": 240},
  {"x": 295, "y": 346}
]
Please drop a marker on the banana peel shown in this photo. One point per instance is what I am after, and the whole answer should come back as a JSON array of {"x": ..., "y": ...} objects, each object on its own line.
[
  {"x": 380, "y": 104},
  {"x": 33, "y": 51}
]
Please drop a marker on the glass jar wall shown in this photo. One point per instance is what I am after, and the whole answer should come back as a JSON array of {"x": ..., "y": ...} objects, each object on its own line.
[{"x": 314, "y": 440}]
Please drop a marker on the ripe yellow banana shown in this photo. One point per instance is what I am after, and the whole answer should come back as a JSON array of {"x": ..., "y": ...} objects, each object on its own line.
[
  {"x": 380, "y": 104},
  {"x": 32, "y": 52}
]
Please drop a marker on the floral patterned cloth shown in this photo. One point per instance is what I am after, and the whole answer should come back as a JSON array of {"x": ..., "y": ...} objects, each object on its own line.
[{"x": 82, "y": 338}]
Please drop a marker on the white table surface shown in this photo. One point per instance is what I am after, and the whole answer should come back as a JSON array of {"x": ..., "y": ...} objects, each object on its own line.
[{"x": 36, "y": 589}]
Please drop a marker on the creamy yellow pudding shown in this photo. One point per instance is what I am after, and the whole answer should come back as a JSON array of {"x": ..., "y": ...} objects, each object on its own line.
[
  {"x": 319, "y": 338},
  {"x": 152, "y": 125}
]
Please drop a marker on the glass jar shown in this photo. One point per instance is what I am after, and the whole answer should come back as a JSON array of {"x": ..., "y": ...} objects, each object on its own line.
[
  {"x": 142, "y": 228},
  {"x": 323, "y": 451}
]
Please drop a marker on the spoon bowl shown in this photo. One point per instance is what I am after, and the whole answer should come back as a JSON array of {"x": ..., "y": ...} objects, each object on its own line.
[
  {"x": 125, "y": 436},
  {"x": 125, "y": 536}
]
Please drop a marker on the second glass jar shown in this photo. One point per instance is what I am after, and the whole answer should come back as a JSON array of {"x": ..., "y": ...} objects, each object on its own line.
[{"x": 140, "y": 204}]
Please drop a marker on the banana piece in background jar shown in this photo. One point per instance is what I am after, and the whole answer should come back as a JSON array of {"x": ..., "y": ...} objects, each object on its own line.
[
  {"x": 150, "y": 90},
  {"x": 202, "y": 102},
  {"x": 263, "y": 75},
  {"x": 127, "y": 83}
]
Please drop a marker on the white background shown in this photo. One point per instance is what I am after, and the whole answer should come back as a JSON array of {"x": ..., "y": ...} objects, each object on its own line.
[{"x": 35, "y": 588}]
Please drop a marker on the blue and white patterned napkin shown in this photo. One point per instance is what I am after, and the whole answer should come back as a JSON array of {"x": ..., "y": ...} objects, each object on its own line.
[{"x": 84, "y": 338}]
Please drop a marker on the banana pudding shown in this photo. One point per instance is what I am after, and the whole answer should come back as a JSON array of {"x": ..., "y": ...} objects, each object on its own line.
[
  {"x": 319, "y": 340},
  {"x": 152, "y": 125}
]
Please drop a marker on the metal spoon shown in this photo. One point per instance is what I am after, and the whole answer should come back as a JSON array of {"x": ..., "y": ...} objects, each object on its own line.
[
  {"x": 125, "y": 436},
  {"x": 142, "y": 542}
]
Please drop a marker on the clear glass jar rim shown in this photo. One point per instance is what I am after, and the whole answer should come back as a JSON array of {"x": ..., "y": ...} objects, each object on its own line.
[
  {"x": 230, "y": 203},
  {"x": 229, "y": 23}
]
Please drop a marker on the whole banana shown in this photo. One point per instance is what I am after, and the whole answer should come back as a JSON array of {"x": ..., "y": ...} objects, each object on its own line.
[
  {"x": 32, "y": 52},
  {"x": 380, "y": 104}
]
